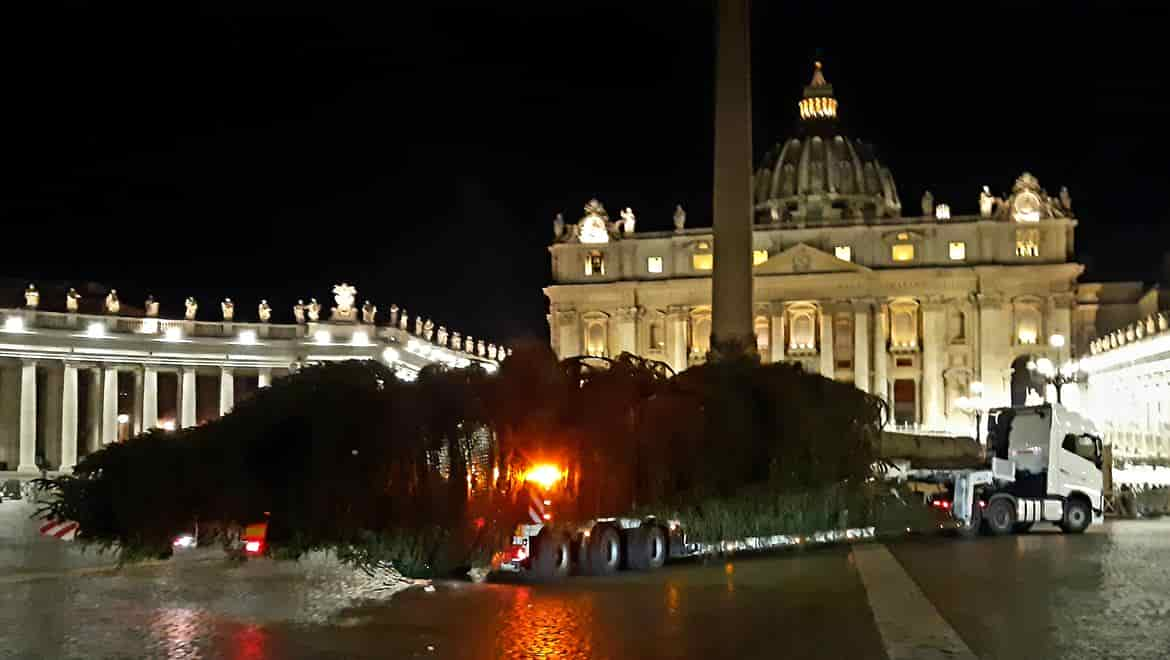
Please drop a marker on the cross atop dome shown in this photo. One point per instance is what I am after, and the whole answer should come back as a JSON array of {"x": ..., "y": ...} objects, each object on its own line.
[{"x": 818, "y": 101}]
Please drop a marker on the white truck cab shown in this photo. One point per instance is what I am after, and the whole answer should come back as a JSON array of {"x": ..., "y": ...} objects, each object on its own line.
[{"x": 1045, "y": 467}]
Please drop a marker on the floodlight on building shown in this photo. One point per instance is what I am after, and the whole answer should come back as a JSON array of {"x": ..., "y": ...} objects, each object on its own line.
[
  {"x": 167, "y": 425},
  {"x": 360, "y": 338},
  {"x": 977, "y": 388},
  {"x": 173, "y": 333},
  {"x": 390, "y": 354},
  {"x": 248, "y": 337},
  {"x": 323, "y": 337},
  {"x": 96, "y": 329},
  {"x": 13, "y": 324},
  {"x": 489, "y": 367},
  {"x": 1056, "y": 341},
  {"x": 123, "y": 418}
]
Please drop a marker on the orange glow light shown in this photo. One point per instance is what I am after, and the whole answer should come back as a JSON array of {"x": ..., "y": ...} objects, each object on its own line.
[{"x": 545, "y": 475}]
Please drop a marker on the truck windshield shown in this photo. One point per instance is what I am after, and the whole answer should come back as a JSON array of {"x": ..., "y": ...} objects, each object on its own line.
[{"x": 1084, "y": 445}]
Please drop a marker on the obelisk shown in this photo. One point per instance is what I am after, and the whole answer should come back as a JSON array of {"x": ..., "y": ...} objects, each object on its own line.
[{"x": 731, "y": 286}]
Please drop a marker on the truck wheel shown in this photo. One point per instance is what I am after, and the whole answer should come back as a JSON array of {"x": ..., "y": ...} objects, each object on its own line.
[
  {"x": 603, "y": 551},
  {"x": 1076, "y": 516},
  {"x": 647, "y": 549},
  {"x": 551, "y": 561},
  {"x": 1000, "y": 516},
  {"x": 1022, "y": 528}
]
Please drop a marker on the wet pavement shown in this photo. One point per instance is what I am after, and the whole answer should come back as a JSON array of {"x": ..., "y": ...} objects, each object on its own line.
[{"x": 1105, "y": 594}]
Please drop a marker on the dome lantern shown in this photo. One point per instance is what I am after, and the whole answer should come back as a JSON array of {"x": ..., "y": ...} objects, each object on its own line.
[{"x": 818, "y": 102}]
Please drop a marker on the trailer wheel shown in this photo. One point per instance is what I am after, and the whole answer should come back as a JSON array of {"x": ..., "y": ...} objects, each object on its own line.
[
  {"x": 551, "y": 559},
  {"x": 1076, "y": 516},
  {"x": 647, "y": 548},
  {"x": 602, "y": 551},
  {"x": 1000, "y": 516}
]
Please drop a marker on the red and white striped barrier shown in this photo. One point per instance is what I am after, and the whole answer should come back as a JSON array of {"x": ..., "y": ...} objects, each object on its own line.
[{"x": 66, "y": 530}]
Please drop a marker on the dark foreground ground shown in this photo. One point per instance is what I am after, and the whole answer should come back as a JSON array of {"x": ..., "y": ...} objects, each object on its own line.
[{"x": 1102, "y": 595}]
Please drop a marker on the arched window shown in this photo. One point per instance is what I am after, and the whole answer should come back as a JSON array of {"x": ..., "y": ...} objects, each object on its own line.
[
  {"x": 763, "y": 336},
  {"x": 1028, "y": 328},
  {"x": 701, "y": 336},
  {"x": 596, "y": 338},
  {"x": 803, "y": 325},
  {"x": 904, "y": 324}
]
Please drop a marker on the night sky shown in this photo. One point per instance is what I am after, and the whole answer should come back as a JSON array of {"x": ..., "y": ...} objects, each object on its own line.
[{"x": 271, "y": 149}]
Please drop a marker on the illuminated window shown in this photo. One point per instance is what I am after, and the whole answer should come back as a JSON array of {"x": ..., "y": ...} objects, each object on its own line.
[
  {"x": 654, "y": 264},
  {"x": 703, "y": 245},
  {"x": 701, "y": 336},
  {"x": 904, "y": 325},
  {"x": 1027, "y": 243},
  {"x": 958, "y": 250},
  {"x": 657, "y": 342},
  {"x": 843, "y": 252},
  {"x": 594, "y": 263},
  {"x": 1027, "y": 325},
  {"x": 595, "y": 339},
  {"x": 803, "y": 326},
  {"x": 902, "y": 252},
  {"x": 703, "y": 261},
  {"x": 763, "y": 336},
  {"x": 759, "y": 257}
]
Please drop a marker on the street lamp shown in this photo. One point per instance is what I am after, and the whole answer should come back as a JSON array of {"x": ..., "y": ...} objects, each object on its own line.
[{"x": 1056, "y": 374}]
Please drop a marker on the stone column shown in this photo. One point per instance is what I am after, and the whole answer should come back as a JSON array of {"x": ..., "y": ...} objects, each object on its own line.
[
  {"x": 28, "y": 417},
  {"x": 933, "y": 331},
  {"x": 879, "y": 358},
  {"x": 627, "y": 334},
  {"x": 731, "y": 280},
  {"x": 778, "y": 346},
  {"x": 676, "y": 337},
  {"x": 227, "y": 390},
  {"x": 139, "y": 402},
  {"x": 109, "y": 405},
  {"x": 861, "y": 345},
  {"x": 149, "y": 398},
  {"x": 995, "y": 334},
  {"x": 569, "y": 333},
  {"x": 187, "y": 397},
  {"x": 828, "y": 366},
  {"x": 93, "y": 409},
  {"x": 50, "y": 397},
  {"x": 69, "y": 418},
  {"x": 264, "y": 378}
]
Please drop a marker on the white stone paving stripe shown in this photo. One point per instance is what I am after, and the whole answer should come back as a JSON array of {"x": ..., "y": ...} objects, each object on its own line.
[{"x": 910, "y": 626}]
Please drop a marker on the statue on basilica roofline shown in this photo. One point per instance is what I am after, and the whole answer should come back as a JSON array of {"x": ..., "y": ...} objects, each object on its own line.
[
  {"x": 72, "y": 300},
  {"x": 228, "y": 308},
  {"x": 480, "y": 348},
  {"x": 264, "y": 311},
  {"x": 418, "y": 326},
  {"x": 429, "y": 329},
  {"x": 986, "y": 202},
  {"x": 113, "y": 305},
  {"x": 314, "y": 309},
  {"x": 151, "y": 306},
  {"x": 628, "y": 220},
  {"x": 402, "y": 321},
  {"x": 369, "y": 311},
  {"x": 927, "y": 204},
  {"x": 558, "y": 226},
  {"x": 1065, "y": 199},
  {"x": 469, "y": 344},
  {"x": 192, "y": 308},
  {"x": 344, "y": 295},
  {"x": 299, "y": 311},
  {"x": 456, "y": 341},
  {"x": 393, "y": 315},
  {"x": 441, "y": 336},
  {"x": 32, "y": 297},
  {"x": 680, "y": 217},
  {"x": 491, "y": 351}
]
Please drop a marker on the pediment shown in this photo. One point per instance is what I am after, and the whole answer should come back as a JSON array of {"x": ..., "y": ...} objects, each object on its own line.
[{"x": 802, "y": 258}]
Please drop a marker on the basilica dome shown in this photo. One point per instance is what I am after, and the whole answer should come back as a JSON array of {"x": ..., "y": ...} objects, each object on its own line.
[{"x": 821, "y": 174}]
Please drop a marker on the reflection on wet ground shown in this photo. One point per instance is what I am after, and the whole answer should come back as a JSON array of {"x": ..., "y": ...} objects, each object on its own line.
[{"x": 1103, "y": 594}]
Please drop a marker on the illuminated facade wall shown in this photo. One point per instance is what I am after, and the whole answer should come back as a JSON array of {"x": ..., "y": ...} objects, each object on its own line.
[{"x": 1127, "y": 388}]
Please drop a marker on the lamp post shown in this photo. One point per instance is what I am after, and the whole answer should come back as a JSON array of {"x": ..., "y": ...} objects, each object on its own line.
[{"x": 1056, "y": 374}]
